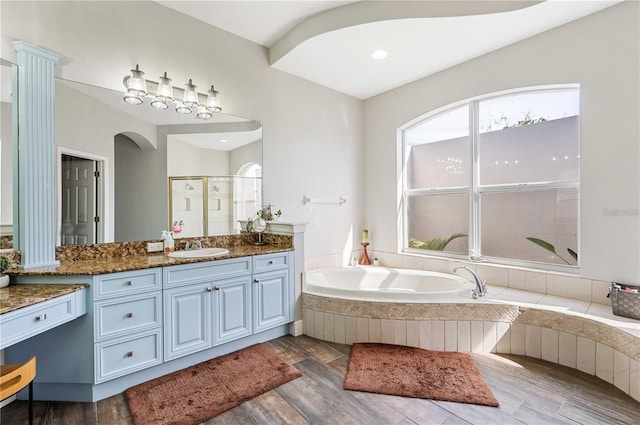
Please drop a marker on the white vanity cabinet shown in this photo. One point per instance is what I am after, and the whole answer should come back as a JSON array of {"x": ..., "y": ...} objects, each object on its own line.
[
  {"x": 208, "y": 304},
  {"x": 187, "y": 319},
  {"x": 189, "y": 315},
  {"x": 271, "y": 291},
  {"x": 143, "y": 324},
  {"x": 232, "y": 300},
  {"x": 24, "y": 323},
  {"x": 127, "y": 322}
]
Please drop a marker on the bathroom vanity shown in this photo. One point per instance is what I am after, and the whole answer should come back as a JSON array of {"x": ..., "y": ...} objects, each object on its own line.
[
  {"x": 29, "y": 310},
  {"x": 158, "y": 316}
]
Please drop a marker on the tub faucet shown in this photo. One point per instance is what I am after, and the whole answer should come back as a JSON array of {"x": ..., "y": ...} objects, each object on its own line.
[{"x": 481, "y": 287}]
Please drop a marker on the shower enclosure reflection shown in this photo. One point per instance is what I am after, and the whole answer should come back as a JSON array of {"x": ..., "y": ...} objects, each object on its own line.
[
  {"x": 212, "y": 205},
  {"x": 215, "y": 179}
]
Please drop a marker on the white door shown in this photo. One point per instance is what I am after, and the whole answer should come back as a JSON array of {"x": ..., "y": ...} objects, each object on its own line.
[{"x": 79, "y": 220}]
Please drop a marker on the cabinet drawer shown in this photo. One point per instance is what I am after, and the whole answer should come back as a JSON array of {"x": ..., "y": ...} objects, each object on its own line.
[
  {"x": 122, "y": 356},
  {"x": 120, "y": 317},
  {"x": 24, "y": 323},
  {"x": 117, "y": 284},
  {"x": 202, "y": 272},
  {"x": 264, "y": 263}
]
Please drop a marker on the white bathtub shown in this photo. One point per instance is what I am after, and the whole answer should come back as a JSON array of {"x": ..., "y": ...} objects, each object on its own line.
[{"x": 375, "y": 283}]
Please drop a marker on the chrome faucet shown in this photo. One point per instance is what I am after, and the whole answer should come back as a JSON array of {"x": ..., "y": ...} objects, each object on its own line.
[
  {"x": 194, "y": 246},
  {"x": 481, "y": 287}
]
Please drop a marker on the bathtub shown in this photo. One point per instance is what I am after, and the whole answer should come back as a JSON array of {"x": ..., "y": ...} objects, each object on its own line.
[{"x": 375, "y": 283}]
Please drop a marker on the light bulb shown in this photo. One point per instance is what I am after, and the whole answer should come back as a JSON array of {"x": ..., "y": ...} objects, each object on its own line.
[
  {"x": 190, "y": 95},
  {"x": 213, "y": 105}
]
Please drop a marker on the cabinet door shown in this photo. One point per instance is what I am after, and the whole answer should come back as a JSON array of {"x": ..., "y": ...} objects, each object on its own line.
[
  {"x": 232, "y": 309},
  {"x": 187, "y": 320},
  {"x": 271, "y": 299}
]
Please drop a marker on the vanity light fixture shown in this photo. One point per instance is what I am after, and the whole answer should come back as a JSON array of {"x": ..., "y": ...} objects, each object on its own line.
[
  {"x": 190, "y": 95},
  {"x": 164, "y": 96},
  {"x": 203, "y": 113},
  {"x": 136, "y": 90},
  {"x": 213, "y": 105},
  {"x": 183, "y": 109},
  {"x": 137, "y": 87}
]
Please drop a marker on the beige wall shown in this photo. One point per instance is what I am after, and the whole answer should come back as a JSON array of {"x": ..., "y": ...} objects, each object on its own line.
[{"x": 601, "y": 53}]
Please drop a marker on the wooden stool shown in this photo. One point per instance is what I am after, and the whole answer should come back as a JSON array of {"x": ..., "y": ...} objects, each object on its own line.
[{"x": 14, "y": 377}]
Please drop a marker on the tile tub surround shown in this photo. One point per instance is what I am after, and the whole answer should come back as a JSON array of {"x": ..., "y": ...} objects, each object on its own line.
[
  {"x": 126, "y": 256},
  {"x": 510, "y": 322}
]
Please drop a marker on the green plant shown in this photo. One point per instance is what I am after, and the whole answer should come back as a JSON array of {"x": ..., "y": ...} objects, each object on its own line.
[
  {"x": 549, "y": 247},
  {"x": 5, "y": 264},
  {"x": 434, "y": 244},
  {"x": 278, "y": 213}
]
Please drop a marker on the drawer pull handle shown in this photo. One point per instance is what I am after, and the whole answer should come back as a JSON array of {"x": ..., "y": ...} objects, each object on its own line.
[
  {"x": 209, "y": 289},
  {"x": 41, "y": 317},
  {"x": 270, "y": 261},
  {"x": 129, "y": 283},
  {"x": 129, "y": 315},
  {"x": 130, "y": 354},
  {"x": 217, "y": 288},
  {"x": 256, "y": 280}
]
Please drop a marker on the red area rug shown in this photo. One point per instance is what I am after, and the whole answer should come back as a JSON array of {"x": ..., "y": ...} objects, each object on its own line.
[
  {"x": 195, "y": 394},
  {"x": 415, "y": 372}
]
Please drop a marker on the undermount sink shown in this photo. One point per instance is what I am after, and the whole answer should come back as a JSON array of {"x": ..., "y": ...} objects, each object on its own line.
[{"x": 199, "y": 253}]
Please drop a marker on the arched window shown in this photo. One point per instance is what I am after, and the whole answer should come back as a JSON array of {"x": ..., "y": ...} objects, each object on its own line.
[{"x": 495, "y": 177}]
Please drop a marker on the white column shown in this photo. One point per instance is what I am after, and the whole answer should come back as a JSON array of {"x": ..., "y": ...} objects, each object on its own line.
[{"x": 34, "y": 102}]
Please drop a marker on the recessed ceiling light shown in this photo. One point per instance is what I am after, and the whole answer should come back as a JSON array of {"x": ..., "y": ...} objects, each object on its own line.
[
  {"x": 379, "y": 54},
  {"x": 223, "y": 140}
]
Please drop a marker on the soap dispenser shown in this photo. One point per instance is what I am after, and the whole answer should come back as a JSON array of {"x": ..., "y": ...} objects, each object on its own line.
[{"x": 168, "y": 241}]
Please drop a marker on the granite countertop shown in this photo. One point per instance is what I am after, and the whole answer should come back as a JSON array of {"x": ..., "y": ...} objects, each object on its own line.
[
  {"x": 123, "y": 263},
  {"x": 16, "y": 296}
]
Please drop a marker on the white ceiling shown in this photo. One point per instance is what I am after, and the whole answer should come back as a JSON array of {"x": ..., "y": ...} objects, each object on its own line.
[
  {"x": 263, "y": 22},
  {"x": 329, "y": 42}
]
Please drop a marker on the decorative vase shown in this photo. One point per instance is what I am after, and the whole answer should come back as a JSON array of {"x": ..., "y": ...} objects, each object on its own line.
[{"x": 4, "y": 280}]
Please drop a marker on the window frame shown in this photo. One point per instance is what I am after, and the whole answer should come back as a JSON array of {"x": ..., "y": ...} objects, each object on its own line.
[{"x": 474, "y": 189}]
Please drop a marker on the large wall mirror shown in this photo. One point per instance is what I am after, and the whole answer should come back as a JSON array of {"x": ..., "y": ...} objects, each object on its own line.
[
  {"x": 6, "y": 157},
  {"x": 114, "y": 162}
]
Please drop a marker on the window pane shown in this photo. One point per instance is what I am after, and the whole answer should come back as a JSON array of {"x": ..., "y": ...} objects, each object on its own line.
[
  {"x": 508, "y": 219},
  {"x": 530, "y": 137},
  {"x": 438, "y": 216},
  {"x": 437, "y": 151}
]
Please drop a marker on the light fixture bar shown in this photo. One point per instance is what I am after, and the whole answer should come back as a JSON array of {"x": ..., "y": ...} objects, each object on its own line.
[{"x": 162, "y": 93}]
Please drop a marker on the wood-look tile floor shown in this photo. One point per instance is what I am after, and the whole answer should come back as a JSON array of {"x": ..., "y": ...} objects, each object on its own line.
[{"x": 530, "y": 391}]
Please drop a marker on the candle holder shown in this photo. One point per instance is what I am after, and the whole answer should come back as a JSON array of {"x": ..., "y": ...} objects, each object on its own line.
[{"x": 365, "y": 258}]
